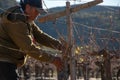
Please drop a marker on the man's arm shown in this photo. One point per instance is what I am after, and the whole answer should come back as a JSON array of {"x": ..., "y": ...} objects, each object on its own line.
[
  {"x": 45, "y": 39},
  {"x": 19, "y": 33}
]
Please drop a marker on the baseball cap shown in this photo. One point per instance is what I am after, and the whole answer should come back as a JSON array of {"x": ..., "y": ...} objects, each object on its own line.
[{"x": 35, "y": 3}]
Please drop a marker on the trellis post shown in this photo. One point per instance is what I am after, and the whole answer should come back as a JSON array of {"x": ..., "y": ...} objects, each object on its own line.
[{"x": 70, "y": 42}]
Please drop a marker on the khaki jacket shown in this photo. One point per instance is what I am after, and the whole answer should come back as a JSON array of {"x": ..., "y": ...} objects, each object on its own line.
[{"x": 19, "y": 38}]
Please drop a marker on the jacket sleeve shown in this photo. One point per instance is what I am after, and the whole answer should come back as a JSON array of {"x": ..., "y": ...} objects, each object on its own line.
[
  {"x": 19, "y": 33},
  {"x": 45, "y": 39}
]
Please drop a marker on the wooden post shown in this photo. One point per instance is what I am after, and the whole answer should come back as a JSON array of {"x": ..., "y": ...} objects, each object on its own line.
[
  {"x": 54, "y": 16},
  {"x": 107, "y": 66},
  {"x": 70, "y": 42}
]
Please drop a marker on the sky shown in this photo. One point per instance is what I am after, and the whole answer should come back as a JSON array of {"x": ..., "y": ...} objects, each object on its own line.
[{"x": 58, "y": 3}]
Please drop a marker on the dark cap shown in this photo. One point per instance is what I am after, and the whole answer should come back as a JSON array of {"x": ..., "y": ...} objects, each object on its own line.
[{"x": 35, "y": 3}]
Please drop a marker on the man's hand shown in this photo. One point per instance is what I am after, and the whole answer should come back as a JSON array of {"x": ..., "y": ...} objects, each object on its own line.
[
  {"x": 64, "y": 48},
  {"x": 58, "y": 63}
]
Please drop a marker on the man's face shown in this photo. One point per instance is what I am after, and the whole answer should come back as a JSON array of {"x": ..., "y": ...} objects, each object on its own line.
[{"x": 31, "y": 12}]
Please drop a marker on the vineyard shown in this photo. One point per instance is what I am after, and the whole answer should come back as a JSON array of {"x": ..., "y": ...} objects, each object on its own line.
[{"x": 96, "y": 40}]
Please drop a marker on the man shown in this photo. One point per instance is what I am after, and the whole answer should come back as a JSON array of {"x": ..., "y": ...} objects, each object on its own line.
[{"x": 18, "y": 37}]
